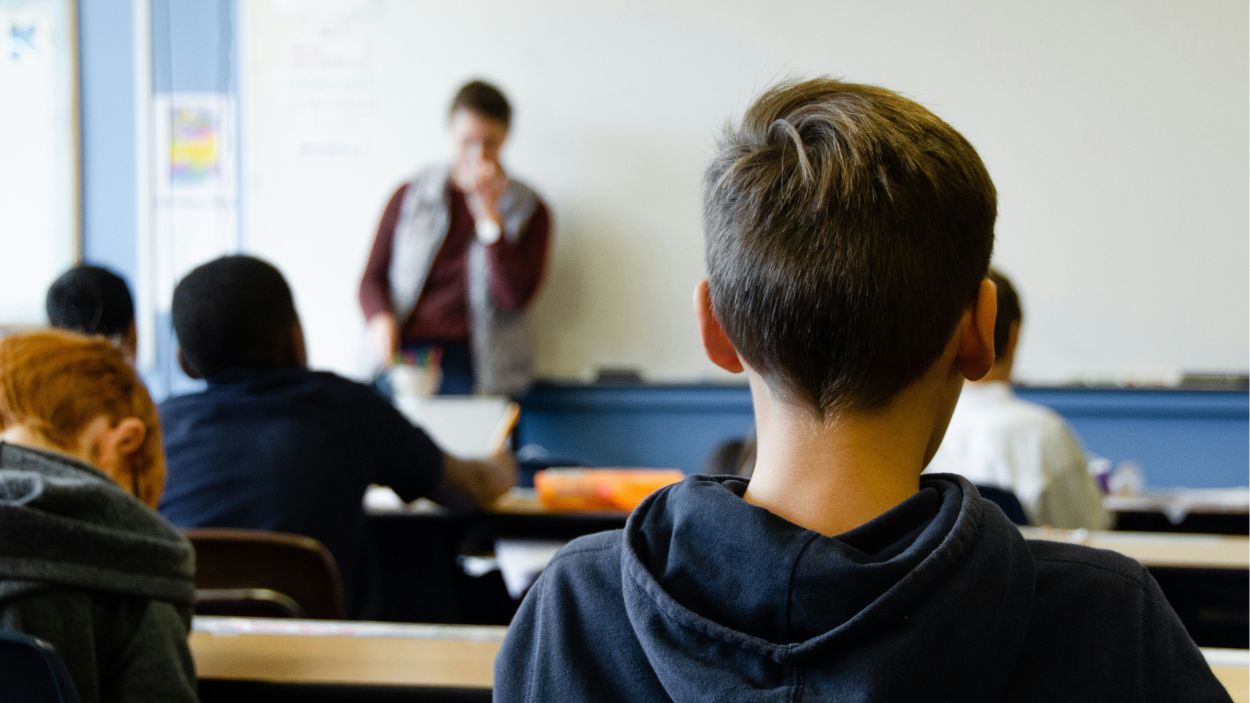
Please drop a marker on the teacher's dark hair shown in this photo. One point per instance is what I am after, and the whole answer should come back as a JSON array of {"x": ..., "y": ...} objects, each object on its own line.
[
  {"x": 235, "y": 313},
  {"x": 483, "y": 99},
  {"x": 847, "y": 230}
]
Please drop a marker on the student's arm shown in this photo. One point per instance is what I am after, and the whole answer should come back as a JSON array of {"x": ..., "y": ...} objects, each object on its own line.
[
  {"x": 1070, "y": 498},
  {"x": 479, "y": 481},
  {"x": 516, "y": 269},
  {"x": 1175, "y": 668},
  {"x": 156, "y": 664},
  {"x": 409, "y": 461}
]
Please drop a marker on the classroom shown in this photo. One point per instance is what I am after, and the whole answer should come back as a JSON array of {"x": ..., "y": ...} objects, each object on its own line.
[{"x": 397, "y": 350}]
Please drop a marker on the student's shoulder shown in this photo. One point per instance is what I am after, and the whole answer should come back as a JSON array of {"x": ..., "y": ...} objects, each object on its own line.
[
  {"x": 178, "y": 402},
  {"x": 1078, "y": 563},
  {"x": 591, "y": 557},
  {"x": 346, "y": 388},
  {"x": 589, "y": 549}
]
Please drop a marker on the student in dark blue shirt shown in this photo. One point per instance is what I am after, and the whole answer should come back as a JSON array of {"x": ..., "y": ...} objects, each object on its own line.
[
  {"x": 848, "y": 235},
  {"x": 272, "y": 445}
]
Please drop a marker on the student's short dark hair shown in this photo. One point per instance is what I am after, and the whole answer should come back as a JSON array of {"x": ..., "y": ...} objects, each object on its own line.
[
  {"x": 91, "y": 300},
  {"x": 1009, "y": 310},
  {"x": 484, "y": 99},
  {"x": 235, "y": 312},
  {"x": 847, "y": 229}
]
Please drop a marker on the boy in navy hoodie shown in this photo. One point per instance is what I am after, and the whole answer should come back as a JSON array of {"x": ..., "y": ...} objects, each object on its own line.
[{"x": 848, "y": 233}]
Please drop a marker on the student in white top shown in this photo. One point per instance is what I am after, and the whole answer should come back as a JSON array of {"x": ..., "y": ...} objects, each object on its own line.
[{"x": 997, "y": 439}]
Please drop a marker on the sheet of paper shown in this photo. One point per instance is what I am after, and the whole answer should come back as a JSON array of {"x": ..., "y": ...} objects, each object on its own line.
[
  {"x": 522, "y": 560},
  {"x": 462, "y": 426}
]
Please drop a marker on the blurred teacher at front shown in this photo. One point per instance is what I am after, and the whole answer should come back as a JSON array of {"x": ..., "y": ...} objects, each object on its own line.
[{"x": 458, "y": 256}]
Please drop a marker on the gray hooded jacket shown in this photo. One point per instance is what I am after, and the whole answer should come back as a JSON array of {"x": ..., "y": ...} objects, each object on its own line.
[{"x": 105, "y": 580}]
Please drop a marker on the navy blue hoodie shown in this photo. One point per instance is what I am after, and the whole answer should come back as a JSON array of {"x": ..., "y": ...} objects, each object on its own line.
[{"x": 704, "y": 597}]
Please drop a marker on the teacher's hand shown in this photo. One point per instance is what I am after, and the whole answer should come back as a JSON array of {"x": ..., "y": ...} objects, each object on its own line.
[
  {"x": 489, "y": 184},
  {"x": 385, "y": 333}
]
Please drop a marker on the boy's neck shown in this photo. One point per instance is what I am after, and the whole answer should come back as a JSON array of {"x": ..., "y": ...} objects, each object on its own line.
[{"x": 831, "y": 477}]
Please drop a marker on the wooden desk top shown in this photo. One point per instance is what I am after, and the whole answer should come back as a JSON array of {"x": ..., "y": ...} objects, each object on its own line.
[
  {"x": 1232, "y": 668},
  {"x": 1152, "y": 549},
  {"x": 334, "y": 652},
  {"x": 327, "y": 652}
]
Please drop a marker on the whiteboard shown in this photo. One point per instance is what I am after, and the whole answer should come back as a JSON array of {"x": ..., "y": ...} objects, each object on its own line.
[
  {"x": 1115, "y": 132},
  {"x": 39, "y": 220}
]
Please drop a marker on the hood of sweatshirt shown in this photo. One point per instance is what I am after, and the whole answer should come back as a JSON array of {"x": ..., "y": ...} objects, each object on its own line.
[
  {"x": 66, "y": 524},
  {"x": 731, "y": 602}
]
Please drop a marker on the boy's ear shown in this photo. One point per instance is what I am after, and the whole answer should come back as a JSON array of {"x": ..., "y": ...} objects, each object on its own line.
[
  {"x": 131, "y": 340},
  {"x": 715, "y": 343},
  {"x": 186, "y": 366},
  {"x": 299, "y": 348},
  {"x": 976, "y": 333},
  {"x": 129, "y": 435}
]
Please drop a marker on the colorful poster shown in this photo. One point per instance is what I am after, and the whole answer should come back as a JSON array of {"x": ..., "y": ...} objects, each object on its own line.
[{"x": 194, "y": 144}]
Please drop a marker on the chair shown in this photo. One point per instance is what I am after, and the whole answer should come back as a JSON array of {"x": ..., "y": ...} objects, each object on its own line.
[
  {"x": 254, "y": 573},
  {"x": 1006, "y": 501},
  {"x": 31, "y": 671}
]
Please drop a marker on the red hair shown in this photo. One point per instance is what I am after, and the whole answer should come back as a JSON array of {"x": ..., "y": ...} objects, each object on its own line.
[{"x": 58, "y": 382}]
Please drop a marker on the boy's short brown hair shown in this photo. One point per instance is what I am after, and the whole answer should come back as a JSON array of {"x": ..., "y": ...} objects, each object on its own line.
[{"x": 847, "y": 229}]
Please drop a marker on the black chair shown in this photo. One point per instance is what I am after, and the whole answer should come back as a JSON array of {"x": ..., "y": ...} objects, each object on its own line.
[
  {"x": 1006, "y": 501},
  {"x": 254, "y": 573},
  {"x": 31, "y": 671}
]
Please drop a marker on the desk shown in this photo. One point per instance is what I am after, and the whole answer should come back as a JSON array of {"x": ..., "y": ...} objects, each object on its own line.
[
  {"x": 273, "y": 659},
  {"x": 1206, "y": 578},
  {"x": 1154, "y": 550},
  {"x": 1212, "y": 511},
  {"x": 1232, "y": 668},
  {"x": 517, "y": 514},
  {"x": 330, "y": 657}
]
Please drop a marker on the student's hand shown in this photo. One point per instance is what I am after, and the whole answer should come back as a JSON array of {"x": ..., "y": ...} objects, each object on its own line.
[
  {"x": 503, "y": 472},
  {"x": 385, "y": 333},
  {"x": 480, "y": 480}
]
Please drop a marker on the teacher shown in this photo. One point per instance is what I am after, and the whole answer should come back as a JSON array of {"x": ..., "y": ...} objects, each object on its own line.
[{"x": 458, "y": 256}]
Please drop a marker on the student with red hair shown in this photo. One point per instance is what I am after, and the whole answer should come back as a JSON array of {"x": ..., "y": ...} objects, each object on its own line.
[{"x": 85, "y": 562}]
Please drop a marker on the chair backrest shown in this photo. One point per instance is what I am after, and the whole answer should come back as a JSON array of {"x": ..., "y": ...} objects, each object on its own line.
[
  {"x": 1006, "y": 501},
  {"x": 259, "y": 573},
  {"x": 31, "y": 671}
]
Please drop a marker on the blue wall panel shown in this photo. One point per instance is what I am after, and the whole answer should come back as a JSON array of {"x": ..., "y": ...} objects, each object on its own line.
[
  {"x": 1179, "y": 438},
  {"x": 107, "y": 85}
]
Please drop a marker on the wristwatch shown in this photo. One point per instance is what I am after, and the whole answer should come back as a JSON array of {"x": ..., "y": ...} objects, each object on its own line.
[{"x": 488, "y": 231}]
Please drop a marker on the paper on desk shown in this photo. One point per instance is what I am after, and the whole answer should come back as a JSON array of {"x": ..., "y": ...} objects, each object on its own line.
[
  {"x": 1177, "y": 504},
  {"x": 464, "y": 426},
  {"x": 521, "y": 561},
  {"x": 381, "y": 499}
]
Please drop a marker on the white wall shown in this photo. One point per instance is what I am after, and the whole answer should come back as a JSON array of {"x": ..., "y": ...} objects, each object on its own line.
[
  {"x": 1116, "y": 132},
  {"x": 39, "y": 224}
]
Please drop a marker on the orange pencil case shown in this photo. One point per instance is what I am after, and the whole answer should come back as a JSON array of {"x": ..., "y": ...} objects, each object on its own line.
[{"x": 600, "y": 489}]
